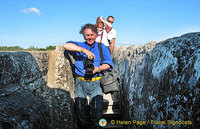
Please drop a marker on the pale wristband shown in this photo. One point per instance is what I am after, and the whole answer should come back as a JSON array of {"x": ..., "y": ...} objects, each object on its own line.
[
  {"x": 82, "y": 50},
  {"x": 99, "y": 69}
]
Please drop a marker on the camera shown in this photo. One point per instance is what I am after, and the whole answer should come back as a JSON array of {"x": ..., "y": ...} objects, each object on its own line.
[{"x": 89, "y": 67}]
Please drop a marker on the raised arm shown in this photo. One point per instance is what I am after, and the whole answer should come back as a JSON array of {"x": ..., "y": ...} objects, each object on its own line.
[{"x": 107, "y": 23}]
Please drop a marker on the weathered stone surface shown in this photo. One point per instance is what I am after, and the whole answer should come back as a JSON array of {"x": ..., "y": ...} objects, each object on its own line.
[
  {"x": 161, "y": 81},
  {"x": 30, "y": 71},
  {"x": 61, "y": 94},
  {"x": 63, "y": 71},
  {"x": 21, "y": 68},
  {"x": 22, "y": 110}
]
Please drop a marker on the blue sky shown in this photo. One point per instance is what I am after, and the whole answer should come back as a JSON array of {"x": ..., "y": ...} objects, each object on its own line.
[{"x": 41, "y": 23}]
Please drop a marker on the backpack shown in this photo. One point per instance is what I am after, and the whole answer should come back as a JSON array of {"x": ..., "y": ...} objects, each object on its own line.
[{"x": 110, "y": 80}]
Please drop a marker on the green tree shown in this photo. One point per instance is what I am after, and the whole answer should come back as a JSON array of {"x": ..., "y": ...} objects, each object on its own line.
[
  {"x": 51, "y": 47},
  {"x": 12, "y": 48}
]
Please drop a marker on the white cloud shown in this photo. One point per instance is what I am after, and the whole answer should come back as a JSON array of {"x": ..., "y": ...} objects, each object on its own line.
[
  {"x": 30, "y": 10},
  {"x": 124, "y": 42}
]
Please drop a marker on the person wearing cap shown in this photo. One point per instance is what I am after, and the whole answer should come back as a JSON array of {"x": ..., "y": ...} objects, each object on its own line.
[{"x": 88, "y": 115}]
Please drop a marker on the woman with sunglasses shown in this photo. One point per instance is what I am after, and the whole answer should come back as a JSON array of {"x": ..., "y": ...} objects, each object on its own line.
[{"x": 102, "y": 36}]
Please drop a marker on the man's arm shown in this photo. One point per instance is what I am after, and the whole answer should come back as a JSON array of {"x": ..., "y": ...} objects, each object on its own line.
[
  {"x": 106, "y": 22},
  {"x": 112, "y": 45},
  {"x": 102, "y": 67},
  {"x": 72, "y": 47}
]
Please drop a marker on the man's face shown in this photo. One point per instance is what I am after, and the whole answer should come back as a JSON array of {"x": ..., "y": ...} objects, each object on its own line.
[
  {"x": 110, "y": 20},
  {"x": 89, "y": 36}
]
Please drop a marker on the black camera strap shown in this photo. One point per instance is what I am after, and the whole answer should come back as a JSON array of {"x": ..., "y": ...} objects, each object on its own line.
[
  {"x": 101, "y": 52},
  {"x": 101, "y": 36}
]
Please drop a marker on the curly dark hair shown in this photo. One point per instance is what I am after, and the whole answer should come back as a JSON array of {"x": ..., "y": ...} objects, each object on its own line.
[
  {"x": 111, "y": 17},
  {"x": 88, "y": 26}
]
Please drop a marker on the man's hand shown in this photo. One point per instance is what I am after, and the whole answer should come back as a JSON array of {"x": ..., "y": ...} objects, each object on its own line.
[
  {"x": 96, "y": 70},
  {"x": 101, "y": 18},
  {"x": 102, "y": 67},
  {"x": 89, "y": 54}
]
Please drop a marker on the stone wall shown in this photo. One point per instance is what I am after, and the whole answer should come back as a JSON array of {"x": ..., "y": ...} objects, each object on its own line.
[
  {"x": 28, "y": 100},
  {"x": 161, "y": 82}
]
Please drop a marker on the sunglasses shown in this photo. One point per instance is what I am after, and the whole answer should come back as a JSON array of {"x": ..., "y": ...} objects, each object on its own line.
[{"x": 110, "y": 21}]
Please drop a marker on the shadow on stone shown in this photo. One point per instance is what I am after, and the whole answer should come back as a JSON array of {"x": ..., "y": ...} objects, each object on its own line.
[
  {"x": 25, "y": 98},
  {"x": 161, "y": 82}
]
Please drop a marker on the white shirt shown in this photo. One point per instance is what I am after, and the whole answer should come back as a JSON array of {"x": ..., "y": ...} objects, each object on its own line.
[
  {"x": 112, "y": 34},
  {"x": 104, "y": 38}
]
